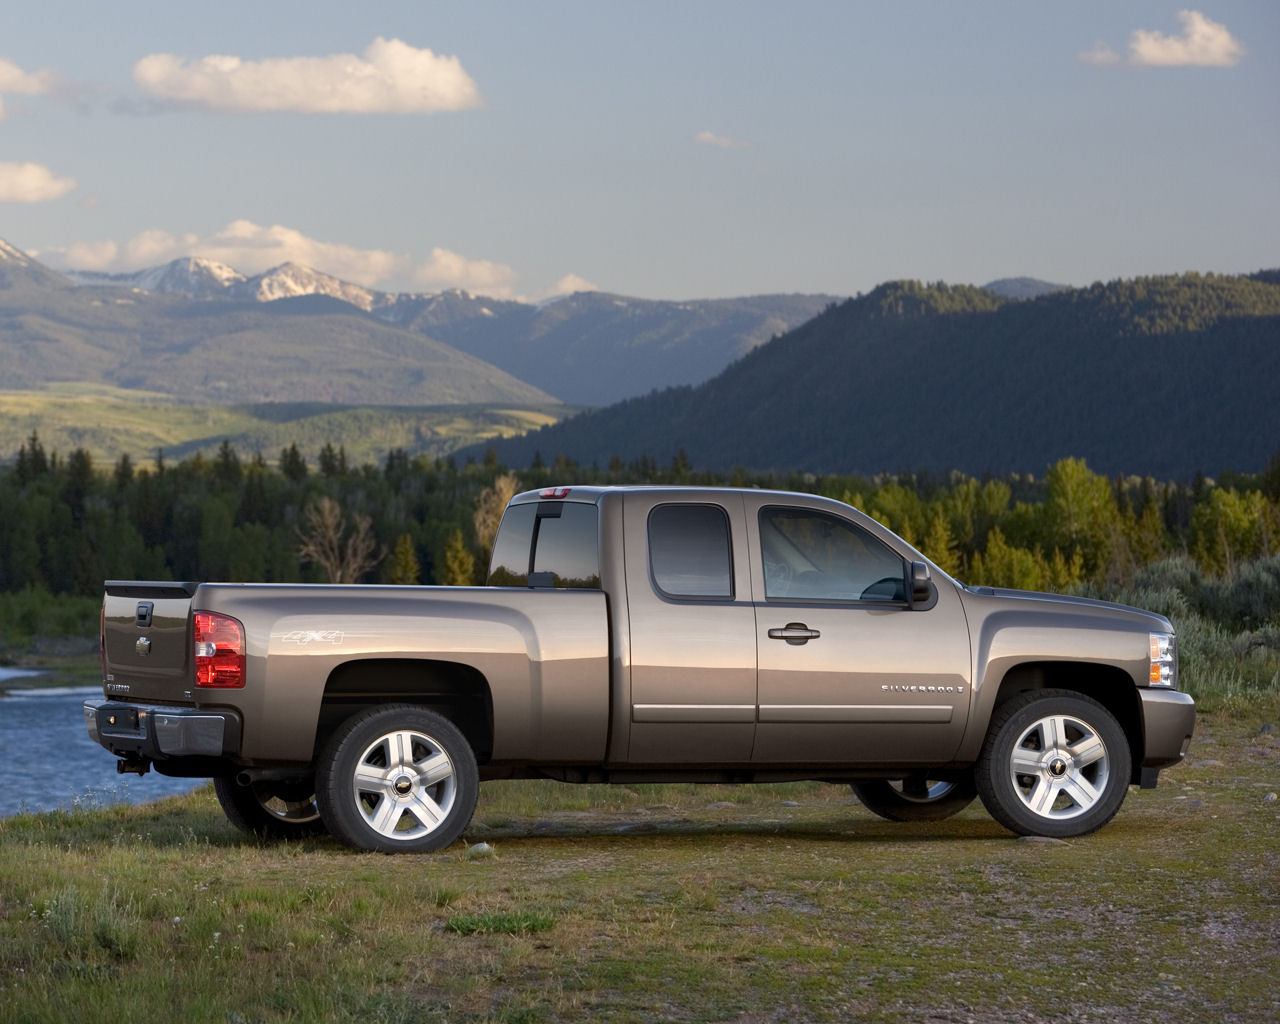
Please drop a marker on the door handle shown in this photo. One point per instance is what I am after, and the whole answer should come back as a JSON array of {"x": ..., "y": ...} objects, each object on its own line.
[{"x": 794, "y": 633}]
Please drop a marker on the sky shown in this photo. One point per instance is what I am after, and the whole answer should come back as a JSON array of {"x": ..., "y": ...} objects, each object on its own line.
[{"x": 659, "y": 150}]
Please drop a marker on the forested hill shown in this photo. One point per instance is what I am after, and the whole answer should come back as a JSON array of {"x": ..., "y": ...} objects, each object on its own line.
[{"x": 1157, "y": 375}]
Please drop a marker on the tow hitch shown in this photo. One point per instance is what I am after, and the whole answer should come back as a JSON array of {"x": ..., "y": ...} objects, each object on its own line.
[{"x": 133, "y": 765}]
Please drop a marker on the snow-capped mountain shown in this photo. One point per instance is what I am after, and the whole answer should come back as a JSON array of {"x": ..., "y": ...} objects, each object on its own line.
[
  {"x": 192, "y": 276},
  {"x": 8, "y": 254},
  {"x": 290, "y": 280}
]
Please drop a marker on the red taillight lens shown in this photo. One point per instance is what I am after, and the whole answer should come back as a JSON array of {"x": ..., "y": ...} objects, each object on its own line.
[
  {"x": 219, "y": 649},
  {"x": 102, "y": 639}
]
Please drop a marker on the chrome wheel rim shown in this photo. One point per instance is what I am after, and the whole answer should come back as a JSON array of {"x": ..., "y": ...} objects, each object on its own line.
[
  {"x": 922, "y": 791},
  {"x": 404, "y": 785},
  {"x": 1059, "y": 767},
  {"x": 286, "y": 808}
]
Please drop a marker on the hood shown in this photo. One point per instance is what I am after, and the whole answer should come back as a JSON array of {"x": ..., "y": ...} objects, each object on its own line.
[{"x": 1029, "y": 600}]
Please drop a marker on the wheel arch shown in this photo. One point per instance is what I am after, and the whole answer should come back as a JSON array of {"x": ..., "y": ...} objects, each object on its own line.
[
  {"x": 453, "y": 690},
  {"x": 1110, "y": 686}
]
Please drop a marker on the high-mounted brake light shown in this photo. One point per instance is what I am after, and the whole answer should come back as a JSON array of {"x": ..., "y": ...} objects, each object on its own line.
[
  {"x": 219, "y": 651},
  {"x": 554, "y": 492}
]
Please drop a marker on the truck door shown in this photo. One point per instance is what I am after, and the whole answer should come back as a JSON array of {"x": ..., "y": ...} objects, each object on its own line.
[
  {"x": 848, "y": 673},
  {"x": 692, "y": 629}
]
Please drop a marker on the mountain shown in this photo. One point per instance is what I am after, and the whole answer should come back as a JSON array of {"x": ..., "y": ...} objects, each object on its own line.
[
  {"x": 1158, "y": 375},
  {"x": 226, "y": 351},
  {"x": 1023, "y": 287},
  {"x": 589, "y": 348},
  {"x": 593, "y": 348},
  {"x": 190, "y": 276}
]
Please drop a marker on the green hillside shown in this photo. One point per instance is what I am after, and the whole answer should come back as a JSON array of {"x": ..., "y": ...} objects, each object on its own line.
[
  {"x": 110, "y": 422},
  {"x": 1160, "y": 375}
]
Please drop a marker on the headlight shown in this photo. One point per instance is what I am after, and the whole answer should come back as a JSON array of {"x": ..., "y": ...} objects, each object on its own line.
[{"x": 1164, "y": 660}]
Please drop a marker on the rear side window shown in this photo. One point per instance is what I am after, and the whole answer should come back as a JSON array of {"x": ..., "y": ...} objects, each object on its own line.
[
  {"x": 547, "y": 544},
  {"x": 689, "y": 551}
]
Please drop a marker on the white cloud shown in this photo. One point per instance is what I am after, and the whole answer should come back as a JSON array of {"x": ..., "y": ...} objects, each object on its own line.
[
  {"x": 390, "y": 77},
  {"x": 23, "y": 83},
  {"x": 252, "y": 248},
  {"x": 1101, "y": 54},
  {"x": 447, "y": 269},
  {"x": 1203, "y": 43},
  {"x": 31, "y": 183},
  {"x": 706, "y": 138},
  {"x": 569, "y": 284},
  {"x": 248, "y": 247}
]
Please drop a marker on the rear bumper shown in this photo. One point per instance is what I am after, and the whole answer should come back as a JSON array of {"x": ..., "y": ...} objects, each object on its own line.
[
  {"x": 1168, "y": 721},
  {"x": 158, "y": 732}
]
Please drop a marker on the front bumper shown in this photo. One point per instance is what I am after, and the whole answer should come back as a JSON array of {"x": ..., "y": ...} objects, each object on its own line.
[
  {"x": 158, "y": 732},
  {"x": 1168, "y": 721}
]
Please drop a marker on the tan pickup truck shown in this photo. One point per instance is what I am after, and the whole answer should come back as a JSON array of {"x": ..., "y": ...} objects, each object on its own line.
[{"x": 643, "y": 634}]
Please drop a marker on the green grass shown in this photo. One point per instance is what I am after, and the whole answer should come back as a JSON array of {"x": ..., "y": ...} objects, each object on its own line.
[
  {"x": 649, "y": 903},
  {"x": 109, "y": 422}
]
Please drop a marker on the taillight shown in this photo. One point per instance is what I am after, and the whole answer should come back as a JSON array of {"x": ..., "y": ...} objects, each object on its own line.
[
  {"x": 102, "y": 638},
  {"x": 219, "y": 649},
  {"x": 554, "y": 492}
]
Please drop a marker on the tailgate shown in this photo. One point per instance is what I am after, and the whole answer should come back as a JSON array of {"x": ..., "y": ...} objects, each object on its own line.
[{"x": 146, "y": 637}]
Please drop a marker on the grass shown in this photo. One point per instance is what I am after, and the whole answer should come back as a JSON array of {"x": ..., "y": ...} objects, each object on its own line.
[
  {"x": 678, "y": 903},
  {"x": 109, "y": 422}
]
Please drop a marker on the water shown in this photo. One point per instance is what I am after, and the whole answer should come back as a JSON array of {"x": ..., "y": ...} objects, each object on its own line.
[{"x": 50, "y": 762}]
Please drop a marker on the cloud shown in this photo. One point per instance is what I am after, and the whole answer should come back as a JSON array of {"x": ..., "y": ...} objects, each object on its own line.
[
  {"x": 390, "y": 77},
  {"x": 569, "y": 284},
  {"x": 447, "y": 269},
  {"x": 706, "y": 138},
  {"x": 248, "y": 247},
  {"x": 1203, "y": 43},
  {"x": 23, "y": 83},
  {"x": 253, "y": 248},
  {"x": 31, "y": 183}
]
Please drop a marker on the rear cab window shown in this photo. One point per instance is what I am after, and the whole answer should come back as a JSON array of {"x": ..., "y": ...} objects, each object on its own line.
[{"x": 547, "y": 544}]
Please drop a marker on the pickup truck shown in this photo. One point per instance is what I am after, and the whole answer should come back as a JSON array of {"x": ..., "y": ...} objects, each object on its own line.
[{"x": 643, "y": 634}]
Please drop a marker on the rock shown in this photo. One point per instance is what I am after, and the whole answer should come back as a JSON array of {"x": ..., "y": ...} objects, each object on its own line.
[
  {"x": 720, "y": 805},
  {"x": 1266, "y": 727},
  {"x": 481, "y": 851},
  {"x": 1270, "y": 798},
  {"x": 1196, "y": 803},
  {"x": 1211, "y": 763},
  {"x": 790, "y": 803},
  {"x": 1048, "y": 840}
]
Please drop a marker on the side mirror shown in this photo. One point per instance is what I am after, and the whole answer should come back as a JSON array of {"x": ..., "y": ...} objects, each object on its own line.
[{"x": 919, "y": 587}]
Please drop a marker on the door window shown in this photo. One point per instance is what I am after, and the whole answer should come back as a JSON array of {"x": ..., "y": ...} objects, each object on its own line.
[{"x": 812, "y": 556}]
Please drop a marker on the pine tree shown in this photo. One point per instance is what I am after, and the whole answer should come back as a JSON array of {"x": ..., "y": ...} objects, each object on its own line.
[
  {"x": 940, "y": 547},
  {"x": 459, "y": 563},
  {"x": 405, "y": 569}
]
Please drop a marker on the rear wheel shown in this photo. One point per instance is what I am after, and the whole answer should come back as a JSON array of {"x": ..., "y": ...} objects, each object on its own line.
[
  {"x": 283, "y": 809},
  {"x": 1055, "y": 763},
  {"x": 915, "y": 799},
  {"x": 397, "y": 779}
]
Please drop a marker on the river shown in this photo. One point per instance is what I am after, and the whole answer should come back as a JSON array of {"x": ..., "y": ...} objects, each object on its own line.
[{"x": 51, "y": 763}]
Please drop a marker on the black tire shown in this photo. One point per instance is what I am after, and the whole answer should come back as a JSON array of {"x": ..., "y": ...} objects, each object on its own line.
[
  {"x": 397, "y": 779},
  {"x": 915, "y": 799},
  {"x": 1075, "y": 763},
  {"x": 271, "y": 810}
]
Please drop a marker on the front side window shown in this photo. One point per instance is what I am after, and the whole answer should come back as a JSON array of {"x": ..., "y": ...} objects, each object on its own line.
[
  {"x": 811, "y": 556},
  {"x": 689, "y": 551}
]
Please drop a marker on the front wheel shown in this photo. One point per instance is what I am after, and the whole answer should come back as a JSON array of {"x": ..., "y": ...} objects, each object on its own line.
[
  {"x": 915, "y": 799},
  {"x": 271, "y": 810},
  {"x": 397, "y": 779},
  {"x": 1055, "y": 763}
]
